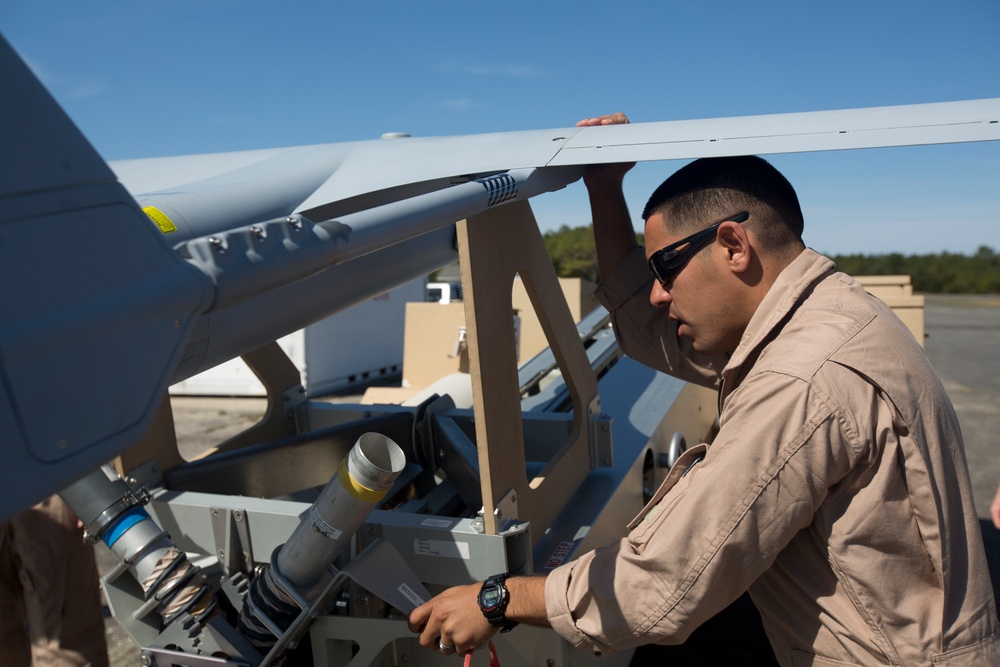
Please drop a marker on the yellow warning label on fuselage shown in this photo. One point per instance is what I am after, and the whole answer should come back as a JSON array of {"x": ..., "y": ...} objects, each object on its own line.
[{"x": 159, "y": 219}]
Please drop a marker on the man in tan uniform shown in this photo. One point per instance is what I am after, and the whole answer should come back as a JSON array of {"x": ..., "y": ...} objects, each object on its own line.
[
  {"x": 50, "y": 600},
  {"x": 836, "y": 490}
]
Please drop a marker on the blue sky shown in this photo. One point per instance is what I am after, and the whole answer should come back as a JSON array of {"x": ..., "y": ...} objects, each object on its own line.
[{"x": 145, "y": 78}]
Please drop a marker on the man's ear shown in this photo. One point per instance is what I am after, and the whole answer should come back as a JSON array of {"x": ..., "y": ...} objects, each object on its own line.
[{"x": 733, "y": 237}]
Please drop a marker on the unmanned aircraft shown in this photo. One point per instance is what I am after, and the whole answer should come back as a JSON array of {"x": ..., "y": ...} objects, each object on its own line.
[{"x": 121, "y": 280}]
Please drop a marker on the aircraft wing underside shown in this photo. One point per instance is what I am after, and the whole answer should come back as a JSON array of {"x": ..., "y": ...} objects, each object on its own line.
[{"x": 336, "y": 172}]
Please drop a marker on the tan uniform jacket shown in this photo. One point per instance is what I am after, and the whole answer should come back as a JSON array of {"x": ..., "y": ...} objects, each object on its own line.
[{"x": 836, "y": 491}]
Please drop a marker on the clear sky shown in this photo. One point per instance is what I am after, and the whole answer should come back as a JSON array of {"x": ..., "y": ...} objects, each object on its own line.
[{"x": 146, "y": 78}]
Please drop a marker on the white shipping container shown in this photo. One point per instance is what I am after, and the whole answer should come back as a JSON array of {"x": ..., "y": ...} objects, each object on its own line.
[{"x": 354, "y": 347}]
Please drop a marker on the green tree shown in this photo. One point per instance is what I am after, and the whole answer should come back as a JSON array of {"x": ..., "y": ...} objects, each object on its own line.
[
  {"x": 574, "y": 255},
  {"x": 573, "y": 252},
  {"x": 945, "y": 272}
]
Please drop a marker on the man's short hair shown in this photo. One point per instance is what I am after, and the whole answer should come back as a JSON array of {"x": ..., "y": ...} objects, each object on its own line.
[{"x": 707, "y": 190}]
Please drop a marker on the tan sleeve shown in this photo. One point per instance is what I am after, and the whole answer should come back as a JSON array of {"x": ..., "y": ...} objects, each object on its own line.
[
  {"x": 644, "y": 332},
  {"x": 714, "y": 532}
]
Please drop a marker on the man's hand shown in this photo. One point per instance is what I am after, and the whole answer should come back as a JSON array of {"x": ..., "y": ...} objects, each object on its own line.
[
  {"x": 608, "y": 119},
  {"x": 613, "y": 231},
  {"x": 602, "y": 175},
  {"x": 452, "y": 619}
]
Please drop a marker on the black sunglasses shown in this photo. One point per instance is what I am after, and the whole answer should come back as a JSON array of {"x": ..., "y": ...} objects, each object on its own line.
[{"x": 666, "y": 262}]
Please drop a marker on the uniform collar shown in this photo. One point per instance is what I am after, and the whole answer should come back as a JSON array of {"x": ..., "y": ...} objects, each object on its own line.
[{"x": 788, "y": 290}]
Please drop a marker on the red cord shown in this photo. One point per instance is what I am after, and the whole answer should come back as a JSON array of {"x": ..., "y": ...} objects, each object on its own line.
[{"x": 494, "y": 660}]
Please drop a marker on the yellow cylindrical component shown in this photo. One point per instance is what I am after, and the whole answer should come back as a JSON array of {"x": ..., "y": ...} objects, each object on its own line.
[{"x": 363, "y": 479}]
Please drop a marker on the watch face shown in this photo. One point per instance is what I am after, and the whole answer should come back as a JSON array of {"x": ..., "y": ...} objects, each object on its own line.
[{"x": 490, "y": 597}]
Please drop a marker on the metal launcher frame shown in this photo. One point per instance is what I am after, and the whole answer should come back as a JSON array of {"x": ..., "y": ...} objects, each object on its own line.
[{"x": 521, "y": 482}]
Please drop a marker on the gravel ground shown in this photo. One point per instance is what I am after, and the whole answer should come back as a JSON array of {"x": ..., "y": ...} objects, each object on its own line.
[{"x": 963, "y": 342}]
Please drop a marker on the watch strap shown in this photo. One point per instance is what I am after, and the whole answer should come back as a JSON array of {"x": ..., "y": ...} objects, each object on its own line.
[{"x": 496, "y": 615}]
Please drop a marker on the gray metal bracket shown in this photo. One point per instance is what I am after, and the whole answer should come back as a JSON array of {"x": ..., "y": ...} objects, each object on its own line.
[
  {"x": 147, "y": 475},
  {"x": 161, "y": 657},
  {"x": 232, "y": 540},
  {"x": 368, "y": 569},
  {"x": 505, "y": 512},
  {"x": 601, "y": 449},
  {"x": 206, "y": 643}
]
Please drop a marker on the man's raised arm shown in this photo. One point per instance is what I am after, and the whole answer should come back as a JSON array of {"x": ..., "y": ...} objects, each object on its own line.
[{"x": 612, "y": 225}]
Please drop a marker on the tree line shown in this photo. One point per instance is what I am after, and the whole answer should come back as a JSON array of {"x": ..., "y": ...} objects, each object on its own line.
[{"x": 574, "y": 256}]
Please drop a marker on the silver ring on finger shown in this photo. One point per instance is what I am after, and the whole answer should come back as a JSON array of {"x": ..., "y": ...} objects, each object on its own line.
[{"x": 447, "y": 649}]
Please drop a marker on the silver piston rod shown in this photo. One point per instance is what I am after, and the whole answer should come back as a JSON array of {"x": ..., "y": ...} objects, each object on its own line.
[
  {"x": 364, "y": 477},
  {"x": 113, "y": 513}
]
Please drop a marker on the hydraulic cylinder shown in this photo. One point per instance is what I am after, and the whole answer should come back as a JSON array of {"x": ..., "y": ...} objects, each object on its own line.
[
  {"x": 113, "y": 513},
  {"x": 364, "y": 477}
]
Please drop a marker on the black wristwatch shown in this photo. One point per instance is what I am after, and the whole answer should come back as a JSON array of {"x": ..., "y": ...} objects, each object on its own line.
[{"x": 493, "y": 599}]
